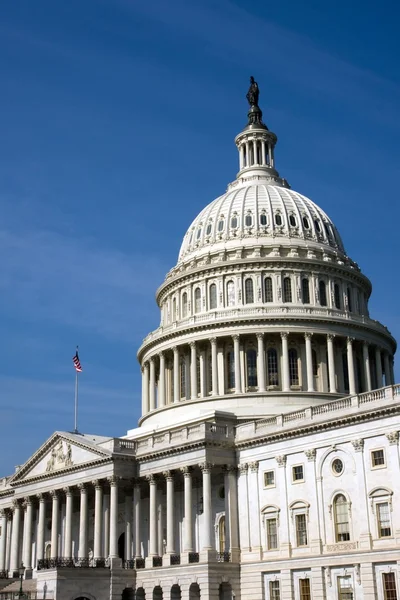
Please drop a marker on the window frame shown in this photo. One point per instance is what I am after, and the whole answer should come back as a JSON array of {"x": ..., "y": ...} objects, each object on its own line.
[
  {"x": 379, "y": 520},
  {"x": 379, "y": 466},
  {"x": 393, "y": 575},
  {"x": 287, "y": 295},
  {"x": 307, "y": 595},
  {"x": 294, "y": 480},
  {"x": 336, "y": 521},
  {"x": 249, "y": 290},
  {"x": 271, "y": 592},
  {"x": 212, "y": 287},
  {"x": 342, "y": 594},
  {"x": 298, "y": 533},
  {"x": 271, "y": 485},
  {"x": 270, "y": 513},
  {"x": 270, "y": 292}
]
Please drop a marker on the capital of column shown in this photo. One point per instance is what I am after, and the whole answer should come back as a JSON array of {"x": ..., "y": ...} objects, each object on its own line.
[
  {"x": 113, "y": 480},
  {"x": 161, "y": 354},
  {"x": 67, "y": 490},
  {"x": 365, "y": 343},
  {"x": 281, "y": 460},
  {"x": 82, "y": 487},
  {"x": 243, "y": 468},
  {"x": 259, "y": 336},
  {"x": 284, "y": 335},
  {"x": 350, "y": 340},
  {"x": 311, "y": 454},
  {"x": 358, "y": 445},
  {"x": 169, "y": 475},
  {"x": 96, "y": 483},
  {"x": 254, "y": 466},
  {"x": 175, "y": 349},
  {"x": 187, "y": 471},
  {"x": 213, "y": 341},
  {"x": 41, "y": 497},
  {"x": 308, "y": 335},
  {"x": 192, "y": 345},
  {"x": 230, "y": 468},
  {"x": 205, "y": 467},
  {"x": 392, "y": 437},
  {"x": 236, "y": 337},
  {"x": 28, "y": 501},
  {"x": 151, "y": 478},
  {"x": 331, "y": 337},
  {"x": 16, "y": 503},
  {"x": 54, "y": 493}
]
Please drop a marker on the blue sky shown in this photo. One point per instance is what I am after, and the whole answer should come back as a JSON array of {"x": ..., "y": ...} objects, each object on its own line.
[{"x": 117, "y": 121}]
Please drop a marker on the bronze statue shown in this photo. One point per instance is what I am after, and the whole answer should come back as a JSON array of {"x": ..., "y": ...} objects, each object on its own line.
[{"x": 253, "y": 93}]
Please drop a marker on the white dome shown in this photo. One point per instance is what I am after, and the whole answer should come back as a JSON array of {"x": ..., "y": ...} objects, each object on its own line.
[{"x": 270, "y": 214}]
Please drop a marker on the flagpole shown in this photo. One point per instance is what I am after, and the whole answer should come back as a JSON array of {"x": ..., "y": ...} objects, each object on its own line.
[{"x": 76, "y": 402}]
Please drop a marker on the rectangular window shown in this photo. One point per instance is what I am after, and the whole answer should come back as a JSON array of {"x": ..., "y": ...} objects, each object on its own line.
[
  {"x": 345, "y": 588},
  {"x": 298, "y": 473},
  {"x": 389, "y": 586},
  {"x": 304, "y": 587},
  {"x": 301, "y": 530},
  {"x": 269, "y": 478},
  {"x": 383, "y": 514},
  {"x": 272, "y": 534},
  {"x": 274, "y": 590},
  {"x": 378, "y": 458}
]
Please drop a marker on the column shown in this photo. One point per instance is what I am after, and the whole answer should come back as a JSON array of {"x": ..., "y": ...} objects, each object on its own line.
[
  {"x": 106, "y": 525},
  {"x": 55, "y": 517},
  {"x": 261, "y": 357},
  {"x": 214, "y": 367},
  {"x": 244, "y": 523},
  {"x": 193, "y": 371},
  {"x": 386, "y": 363},
  {"x": 255, "y": 161},
  {"x": 145, "y": 389},
  {"x": 3, "y": 539},
  {"x": 83, "y": 522},
  {"x": 67, "y": 552},
  {"x": 27, "y": 559},
  {"x": 187, "y": 376},
  {"x": 161, "y": 388},
  {"x": 391, "y": 367},
  {"x": 136, "y": 503},
  {"x": 263, "y": 157},
  {"x": 40, "y": 527},
  {"x": 350, "y": 366},
  {"x": 378, "y": 361},
  {"x": 233, "y": 511},
  {"x": 113, "y": 481},
  {"x": 331, "y": 365},
  {"x": 152, "y": 391},
  {"x": 188, "y": 536},
  {"x": 241, "y": 149},
  {"x": 207, "y": 507},
  {"x": 247, "y": 154},
  {"x": 177, "y": 381},
  {"x": 202, "y": 357},
  {"x": 236, "y": 352},
  {"x": 309, "y": 363},
  {"x": 367, "y": 368},
  {"x": 170, "y": 512},
  {"x": 128, "y": 524},
  {"x": 160, "y": 525},
  {"x": 285, "y": 363},
  {"x": 16, "y": 525},
  {"x": 152, "y": 515},
  {"x": 98, "y": 518}
]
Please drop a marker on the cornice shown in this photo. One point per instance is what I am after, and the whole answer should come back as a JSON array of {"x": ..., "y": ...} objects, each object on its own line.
[
  {"x": 62, "y": 472},
  {"x": 218, "y": 327},
  {"x": 197, "y": 445}
]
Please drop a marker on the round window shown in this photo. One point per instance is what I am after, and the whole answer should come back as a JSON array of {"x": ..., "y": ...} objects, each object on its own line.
[{"x": 337, "y": 466}]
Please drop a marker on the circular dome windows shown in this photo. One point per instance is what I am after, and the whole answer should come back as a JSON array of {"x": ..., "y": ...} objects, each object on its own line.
[{"x": 337, "y": 466}]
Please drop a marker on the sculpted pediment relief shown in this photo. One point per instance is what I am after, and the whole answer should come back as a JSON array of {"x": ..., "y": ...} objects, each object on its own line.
[{"x": 60, "y": 453}]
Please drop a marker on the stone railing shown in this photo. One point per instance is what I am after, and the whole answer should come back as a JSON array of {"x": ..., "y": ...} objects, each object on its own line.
[
  {"x": 185, "y": 435},
  {"x": 70, "y": 563},
  {"x": 251, "y": 311},
  {"x": 335, "y": 409},
  {"x": 27, "y": 595}
]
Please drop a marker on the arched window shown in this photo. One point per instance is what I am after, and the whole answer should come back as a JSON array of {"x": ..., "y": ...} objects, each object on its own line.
[
  {"x": 184, "y": 305},
  {"x": 208, "y": 230},
  {"x": 198, "y": 233},
  {"x": 248, "y": 221},
  {"x": 317, "y": 226},
  {"x": 251, "y": 356},
  {"x": 287, "y": 290},
  {"x": 278, "y": 219},
  {"x": 221, "y": 534},
  {"x": 322, "y": 293},
  {"x": 183, "y": 378},
  {"x": 349, "y": 300},
  {"x": 234, "y": 222},
  {"x": 292, "y": 221},
  {"x": 336, "y": 295},
  {"x": 213, "y": 295},
  {"x": 174, "y": 309},
  {"x": 306, "y": 223},
  {"x": 269, "y": 296},
  {"x": 341, "y": 518},
  {"x": 230, "y": 293},
  {"x": 305, "y": 290},
  {"x": 293, "y": 367},
  {"x": 249, "y": 292},
  {"x": 197, "y": 300},
  {"x": 263, "y": 219},
  {"x": 221, "y": 224},
  {"x": 272, "y": 367},
  {"x": 230, "y": 368}
]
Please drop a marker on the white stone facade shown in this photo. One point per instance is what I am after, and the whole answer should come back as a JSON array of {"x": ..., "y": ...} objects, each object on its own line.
[{"x": 266, "y": 462}]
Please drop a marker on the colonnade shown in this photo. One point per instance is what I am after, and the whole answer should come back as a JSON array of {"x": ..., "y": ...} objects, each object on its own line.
[
  {"x": 201, "y": 368},
  {"x": 256, "y": 151},
  {"x": 27, "y": 520}
]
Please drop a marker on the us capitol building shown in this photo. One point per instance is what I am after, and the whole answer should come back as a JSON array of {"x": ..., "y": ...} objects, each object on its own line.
[{"x": 266, "y": 460}]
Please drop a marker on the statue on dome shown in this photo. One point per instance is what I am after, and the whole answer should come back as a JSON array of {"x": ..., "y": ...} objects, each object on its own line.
[{"x": 253, "y": 93}]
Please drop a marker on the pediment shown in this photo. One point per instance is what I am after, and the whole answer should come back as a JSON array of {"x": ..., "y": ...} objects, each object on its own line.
[{"x": 62, "y": 452}]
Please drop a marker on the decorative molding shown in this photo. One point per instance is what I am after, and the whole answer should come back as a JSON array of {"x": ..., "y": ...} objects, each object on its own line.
[
  {"x": 169, "y": 475},
  {"x": 113, "y": 480},
  {"x": 281, "y": 460},
  {"x": 328, "y": 576},
  {"x": 311, "y": 454},
  {"x": 358, "y": 445},
  {"x": 59, "y": 459},
  {"x": 186, "y": 471},
  {"x": 393, "y": 437},
  {"x": 254, "y": 466},
  {"x": 206, "y": 467},
  {"x": 342, "y": 547},
  {"x": 243, "y": 468},
  {"x": 357, "y": 573}
]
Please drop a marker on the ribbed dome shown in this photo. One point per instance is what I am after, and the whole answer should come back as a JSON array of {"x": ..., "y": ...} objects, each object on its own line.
[{"x": 263, "y": 214}]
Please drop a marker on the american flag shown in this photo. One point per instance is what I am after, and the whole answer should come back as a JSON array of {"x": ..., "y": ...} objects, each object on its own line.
[{"x": 77, "y": 362}]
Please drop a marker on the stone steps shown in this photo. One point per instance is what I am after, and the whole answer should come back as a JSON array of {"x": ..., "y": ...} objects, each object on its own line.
[{"x": 28, "y": 585}]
